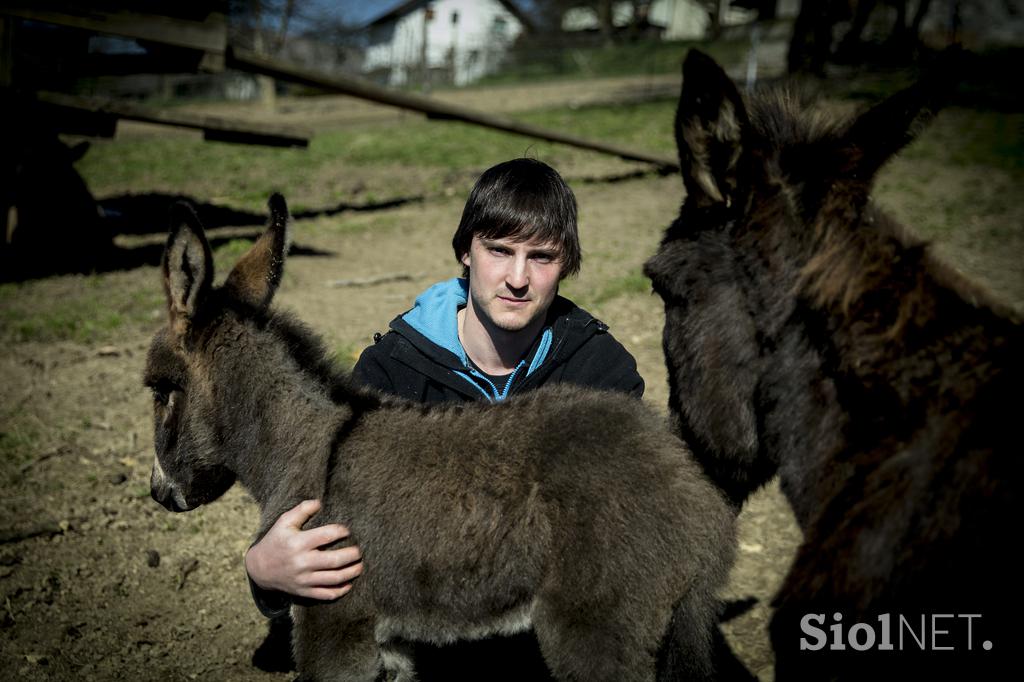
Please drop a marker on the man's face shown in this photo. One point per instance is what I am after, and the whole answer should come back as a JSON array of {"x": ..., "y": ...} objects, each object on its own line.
[{"x": 512, "y": 283}]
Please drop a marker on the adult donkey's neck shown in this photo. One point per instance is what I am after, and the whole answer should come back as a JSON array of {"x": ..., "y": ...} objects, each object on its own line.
[
  {"x": 282, "y": 410},
  {"x": 890, "y": 344},
  {"x": 893, "y": 308}
]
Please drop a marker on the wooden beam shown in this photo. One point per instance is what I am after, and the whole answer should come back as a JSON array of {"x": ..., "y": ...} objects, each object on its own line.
[
  {"x": 163, "y": 61},
  {"x": 246, "y": 60},
  {"x": 6, "y": 50},
  {"x": 209, "y": 35},
  {"x": 213, "y": 127}
]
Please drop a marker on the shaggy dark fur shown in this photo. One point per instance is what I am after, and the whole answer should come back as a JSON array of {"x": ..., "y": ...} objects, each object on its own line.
[
  {"x": 808, "y": 334},
  {"x": 574, "y": 510}
]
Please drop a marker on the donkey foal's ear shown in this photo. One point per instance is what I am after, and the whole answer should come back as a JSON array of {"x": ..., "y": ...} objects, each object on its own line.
[
  {"x": 187, "y": 266},
  {"x": 711, "y": 124},
  {"x": 257, "y": 274}
]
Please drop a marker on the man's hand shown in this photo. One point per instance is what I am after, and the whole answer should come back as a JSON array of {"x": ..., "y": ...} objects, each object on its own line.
[{"x": 287, "y": 558}]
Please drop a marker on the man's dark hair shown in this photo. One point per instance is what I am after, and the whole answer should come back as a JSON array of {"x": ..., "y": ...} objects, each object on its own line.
[{"x": 523, "y": 199}]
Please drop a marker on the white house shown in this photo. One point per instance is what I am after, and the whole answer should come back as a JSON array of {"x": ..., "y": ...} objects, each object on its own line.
[{"x": 458, "y": 41}]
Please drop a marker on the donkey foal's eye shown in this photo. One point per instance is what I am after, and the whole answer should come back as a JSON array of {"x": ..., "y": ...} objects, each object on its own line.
[{"x": 162, "y": 391}]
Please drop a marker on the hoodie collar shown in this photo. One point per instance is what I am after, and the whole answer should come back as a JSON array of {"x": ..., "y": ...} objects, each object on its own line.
[{"x": 434, "y": 316}]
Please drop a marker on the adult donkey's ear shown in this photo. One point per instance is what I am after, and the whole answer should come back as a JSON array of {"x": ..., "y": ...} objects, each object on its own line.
[
  {"x": 187, "y": 267},
  {"x": 711, "y": 126},
  {"x": 882, "y": 131},
  {"x": 257, "y": 274}
]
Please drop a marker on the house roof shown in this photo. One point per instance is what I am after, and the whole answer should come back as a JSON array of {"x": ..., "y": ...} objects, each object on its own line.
[{"x": 412, "y": 5}]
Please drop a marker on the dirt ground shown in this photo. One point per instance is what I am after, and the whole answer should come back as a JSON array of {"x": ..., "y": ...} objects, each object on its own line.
[{"x": 99, "y": 582}]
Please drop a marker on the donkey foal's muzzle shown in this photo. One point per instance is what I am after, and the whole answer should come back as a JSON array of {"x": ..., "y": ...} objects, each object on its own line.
[{"x": 166, "y": 493}]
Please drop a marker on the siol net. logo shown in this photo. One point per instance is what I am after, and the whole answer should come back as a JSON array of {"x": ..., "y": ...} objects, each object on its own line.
[{"x": 923, "y": 632}]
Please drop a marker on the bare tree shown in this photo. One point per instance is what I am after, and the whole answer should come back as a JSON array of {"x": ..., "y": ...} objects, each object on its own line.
[
  {"x": 263, "y": 26},
  {"x": 811, "y": 43},
  {"x": 714, "y": 10}
]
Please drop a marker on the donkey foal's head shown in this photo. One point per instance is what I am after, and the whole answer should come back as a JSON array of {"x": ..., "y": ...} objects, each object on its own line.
[{"x": 191, "y": 407}]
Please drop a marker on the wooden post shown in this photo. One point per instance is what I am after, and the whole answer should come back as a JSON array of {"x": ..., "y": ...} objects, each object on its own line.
[
  {"x": 93, "y": 111},
  {"x": 424, "y": 66},
  {"x": 265, "y": 84},
  {"x": 208, "y": 35},
  {"x": 8, "y": 211},
  {"x": 250, "y": 61},
  {"x": 6, "y": 50}
]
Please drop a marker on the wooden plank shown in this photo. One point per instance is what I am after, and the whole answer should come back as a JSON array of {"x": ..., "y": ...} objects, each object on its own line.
[
  {"x": 79, "y": 121},
  {"x": 246, "y": 60},
  {"x": 209, "y": 35},
  {"x": 164, "y": 61},
  {"x": 238, "y": 136},
  {"x": 6, "y": 50},
  {"x": 214, "y": 127}
]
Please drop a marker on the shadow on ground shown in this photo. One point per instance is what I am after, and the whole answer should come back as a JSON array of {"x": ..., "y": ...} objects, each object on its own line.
[{"x": 144, "y": 214}]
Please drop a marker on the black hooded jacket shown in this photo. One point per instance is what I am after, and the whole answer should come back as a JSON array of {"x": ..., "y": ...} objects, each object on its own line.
[{"x": 405, "y": 363}]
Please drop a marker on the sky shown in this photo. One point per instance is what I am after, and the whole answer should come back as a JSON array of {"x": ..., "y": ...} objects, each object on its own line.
[
  {"x": 353, "y": 12},
  {"x": 362, "y": 13}
]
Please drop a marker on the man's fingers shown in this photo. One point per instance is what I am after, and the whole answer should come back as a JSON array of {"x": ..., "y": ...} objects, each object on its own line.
[
  {"x": 331, "y": 559},
  {"x": 332, "y": 579},
  {"x": 299, "y": 514},
  {"x": 326, "y": 593},
  {"x": 323, "y": 535}
]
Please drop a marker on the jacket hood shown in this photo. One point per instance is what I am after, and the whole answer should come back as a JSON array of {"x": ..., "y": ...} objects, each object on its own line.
[{"x": 434, "y": 315}]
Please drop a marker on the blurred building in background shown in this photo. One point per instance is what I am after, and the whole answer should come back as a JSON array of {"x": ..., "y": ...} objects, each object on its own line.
[{"x": 445, "y": 41}]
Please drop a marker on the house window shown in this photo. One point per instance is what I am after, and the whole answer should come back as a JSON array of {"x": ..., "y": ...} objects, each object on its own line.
[{"x": 455, "y": 18}]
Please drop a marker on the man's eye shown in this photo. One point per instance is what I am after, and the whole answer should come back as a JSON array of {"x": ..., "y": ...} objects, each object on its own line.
[{"x": 499, "y": 251}]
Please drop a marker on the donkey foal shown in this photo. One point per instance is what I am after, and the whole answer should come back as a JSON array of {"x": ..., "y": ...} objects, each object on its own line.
[{"x": 572, "y": 510}]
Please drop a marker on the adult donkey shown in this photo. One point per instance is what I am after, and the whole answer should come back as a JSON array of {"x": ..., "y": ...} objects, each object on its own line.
[
  {"x": 571, "y": 509},
  {"x": 808, "y": 334}
]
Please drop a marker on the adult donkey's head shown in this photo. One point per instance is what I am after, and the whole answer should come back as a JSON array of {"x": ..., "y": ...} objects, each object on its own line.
[
  {"x": 209, "y": 336},
  {"x": 775, "y": 230}
]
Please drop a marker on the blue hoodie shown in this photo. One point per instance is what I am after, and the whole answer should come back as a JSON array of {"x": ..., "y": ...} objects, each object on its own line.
[{"x": 435, "y": 315}]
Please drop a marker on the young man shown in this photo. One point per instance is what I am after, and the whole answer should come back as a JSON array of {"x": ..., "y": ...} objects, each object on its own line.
[{"x": 500, "y": 330}]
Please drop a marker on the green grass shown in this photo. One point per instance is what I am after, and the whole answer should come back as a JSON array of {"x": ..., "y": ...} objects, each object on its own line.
[
  {"x": 245, "y": 175},
  {"x": 979, "y": 156},
  {"x": 962, "y": 137},
  {"x": 460, "y": 145},
  {"x": 18, "y": 443},
  {"x": 226, "y": 255},
  {"x": 344, "y": 355},
  {"x": 88, "y": 309},
  {"x": 631, "y": 284}
]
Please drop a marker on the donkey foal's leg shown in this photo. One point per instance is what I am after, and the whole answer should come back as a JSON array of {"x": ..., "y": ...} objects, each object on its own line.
[
  {"x": 590, "y": 643},
  {"x": 328, "y": 647},
  {"x": 396, "y": 656}
]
